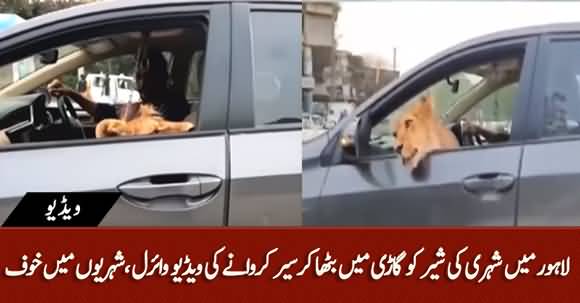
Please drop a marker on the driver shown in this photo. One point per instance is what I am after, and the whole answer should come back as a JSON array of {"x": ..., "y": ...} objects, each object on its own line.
[
  {"x": 490, "y": 136},
  {"x": 152, "y": 79},
  {"x": 4, "y": 140}
]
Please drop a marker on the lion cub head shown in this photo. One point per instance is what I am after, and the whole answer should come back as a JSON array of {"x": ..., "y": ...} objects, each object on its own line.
[{"x": 419, "y": 131}]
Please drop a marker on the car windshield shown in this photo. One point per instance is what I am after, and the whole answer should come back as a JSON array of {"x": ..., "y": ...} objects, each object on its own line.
[
  {"x": 99, "y": 82},
  {"x": 127, "y": 84},
  {"x": 444, "y": 94},
  {"x": 21, "y": 69}
]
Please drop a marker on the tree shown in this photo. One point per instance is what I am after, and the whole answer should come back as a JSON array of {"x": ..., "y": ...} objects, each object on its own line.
[{"x": 28, "y": 9}]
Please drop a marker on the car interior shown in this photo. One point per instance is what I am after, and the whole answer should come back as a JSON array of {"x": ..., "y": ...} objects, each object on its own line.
[
  {"x": 493, "y": 76},
  {"x": 29, "y": 114}
]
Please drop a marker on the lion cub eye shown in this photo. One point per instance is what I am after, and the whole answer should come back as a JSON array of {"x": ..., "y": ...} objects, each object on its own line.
[
  {"x": 408, "y": 123},
  {"x": 395, "y": 134}
]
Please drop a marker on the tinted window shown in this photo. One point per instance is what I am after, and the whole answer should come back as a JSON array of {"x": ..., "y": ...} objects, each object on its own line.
[
  {"x": 562, "y": 95},
  {"x": 277, "y": 49},
  {"x": 193, "y": 90}
]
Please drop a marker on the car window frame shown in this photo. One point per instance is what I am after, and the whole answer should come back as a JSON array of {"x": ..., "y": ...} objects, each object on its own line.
[
  {"x": 67, "y": 31},
  {"x": 537, "y": 117},
  {"x": 241, "y": 108},
  {"x": 443, "y": 113},
  {"x": 392, "y": 99}
]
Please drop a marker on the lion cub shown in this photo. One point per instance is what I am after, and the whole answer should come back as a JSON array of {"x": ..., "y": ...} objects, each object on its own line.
[
  {"x": 147, "y": 121},
  {"x": 420, "y": 131}
]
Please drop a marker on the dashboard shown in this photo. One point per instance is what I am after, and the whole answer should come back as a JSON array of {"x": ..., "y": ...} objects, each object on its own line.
[
  {"x": 34, "y": 118},
  {"x": 17, "y": 114}
]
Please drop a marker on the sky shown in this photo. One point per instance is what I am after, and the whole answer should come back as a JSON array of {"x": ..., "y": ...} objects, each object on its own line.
[{"x": 421, "y": 29}]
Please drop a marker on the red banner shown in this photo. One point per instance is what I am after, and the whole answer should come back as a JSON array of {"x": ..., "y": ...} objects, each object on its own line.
[{"x": 289, "y": 265}]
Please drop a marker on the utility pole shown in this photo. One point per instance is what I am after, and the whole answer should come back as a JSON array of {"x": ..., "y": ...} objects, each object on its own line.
[
  {"x": 333, "y": 71},
  {"x": 307, "y": 80},
  {"x": 394, "y": 59}
]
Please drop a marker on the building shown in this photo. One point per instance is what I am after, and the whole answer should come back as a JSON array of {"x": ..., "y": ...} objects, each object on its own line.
[
  {"x": 331, "y": 75},
  {"x": 367, "y": 79},
  {"x": 319, "y": 44},
  {"x": 352, "y": 79}
]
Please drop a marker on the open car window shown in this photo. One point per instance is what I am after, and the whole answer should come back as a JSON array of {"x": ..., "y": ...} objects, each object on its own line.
[
  {"x": 23, "y": 68},
  {"x": 99, "y": 76},
  {"x": 481, "y": 94}
]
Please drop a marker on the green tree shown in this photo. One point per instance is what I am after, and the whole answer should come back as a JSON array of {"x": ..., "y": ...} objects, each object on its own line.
[{"x": 29, "y": 9}]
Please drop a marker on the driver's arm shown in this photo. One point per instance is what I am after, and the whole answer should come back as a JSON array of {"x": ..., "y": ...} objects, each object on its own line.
[
  {"x": 88, "y": 105},
  {"x": 4, "y": 140},
  {"x": 98, "y": 111}
]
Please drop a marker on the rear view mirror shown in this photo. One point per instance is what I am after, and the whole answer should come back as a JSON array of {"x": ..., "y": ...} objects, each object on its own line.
[
  {"x": 454, "y": 85},
  {"x": 48, "y": 56}
]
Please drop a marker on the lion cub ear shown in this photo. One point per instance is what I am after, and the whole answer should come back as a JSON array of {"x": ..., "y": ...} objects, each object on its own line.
[{"x": 426, "y": 105}]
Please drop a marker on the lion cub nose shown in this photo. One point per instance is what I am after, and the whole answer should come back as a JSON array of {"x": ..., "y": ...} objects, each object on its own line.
[{"x": 399, "y": 148}]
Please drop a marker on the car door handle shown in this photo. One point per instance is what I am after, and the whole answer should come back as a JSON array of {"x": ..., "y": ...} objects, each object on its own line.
[
  {"x": 489, "y": 182},
  {"x": 191, "y": 186}
]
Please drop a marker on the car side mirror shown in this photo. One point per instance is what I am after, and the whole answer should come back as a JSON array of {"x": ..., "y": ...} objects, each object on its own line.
[
  {"x": 348, "y": 135},
  {"x": 355, "y": 136},
  {"x": 48, "y": 56}
]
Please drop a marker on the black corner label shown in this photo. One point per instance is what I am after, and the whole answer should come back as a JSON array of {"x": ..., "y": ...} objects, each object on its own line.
[{"x": 79, "y": 209}]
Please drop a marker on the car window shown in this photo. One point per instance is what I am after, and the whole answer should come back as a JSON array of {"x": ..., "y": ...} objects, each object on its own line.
[
  {"x": 562, "y": 90},
  {"x": 108, "y": 80},
  {"x": 495, "y": 111},
  {"x": 100, "y": 80},
  {"x": 193, "y": 89},
  {"x": 277, "y": 67},
  {"x": 194, "y": 83},
  {"x": 10, "y": 73},
  {"x": 481, "y": 95}
]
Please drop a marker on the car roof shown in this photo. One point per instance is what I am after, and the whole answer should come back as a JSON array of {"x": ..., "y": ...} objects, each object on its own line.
[
  {"x": 108, "y": 5},
  {"x": 525, "y": 31},
  {"x": 510, "y": 34}
]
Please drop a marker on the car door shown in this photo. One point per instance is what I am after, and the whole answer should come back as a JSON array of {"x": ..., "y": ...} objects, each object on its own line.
[
  {"x": 151, "y": 168},
  {"x": 461, "y": 187},
  {"x": 264, "y": 115},
  {"x": 549, "y": 192}
]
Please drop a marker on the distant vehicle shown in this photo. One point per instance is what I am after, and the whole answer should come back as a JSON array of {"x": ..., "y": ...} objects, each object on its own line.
[
  {"x": 335, "y": 110},
  {"x": 312, "y": 121},
  {"x": 312, "y": 126},
  {"x": 122, "y": 89}
]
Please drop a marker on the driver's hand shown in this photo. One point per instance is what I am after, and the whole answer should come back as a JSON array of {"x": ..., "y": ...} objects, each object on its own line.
[
  {"x": 55, "y": 84},
  {"x": 471, "y": 128},
  {"x": 57, "y": 89}
]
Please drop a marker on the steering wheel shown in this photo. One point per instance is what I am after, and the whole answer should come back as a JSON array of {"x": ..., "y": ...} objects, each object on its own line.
[
  {"x": 42, "y": 117},
  {"x": 68, "y": 115},
  {"x": 67, "y": 112},
  {"x": 471, "y": 135}
]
